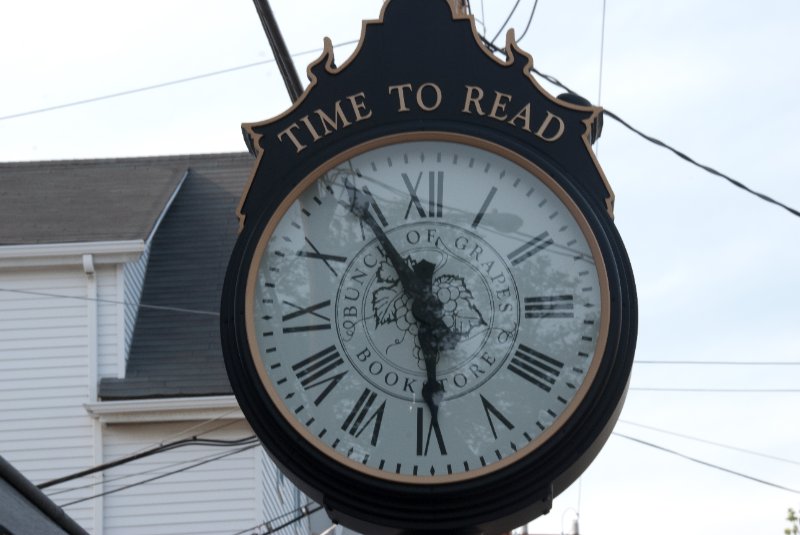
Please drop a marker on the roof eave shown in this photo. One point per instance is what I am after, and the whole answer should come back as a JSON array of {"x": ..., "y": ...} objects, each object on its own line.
[
  {"x": 70, "y": 254},
  {"x": 166, "y": 409}
]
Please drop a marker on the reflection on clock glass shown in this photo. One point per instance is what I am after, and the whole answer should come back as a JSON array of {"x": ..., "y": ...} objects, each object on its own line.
[{"x": 427, "y": 310}]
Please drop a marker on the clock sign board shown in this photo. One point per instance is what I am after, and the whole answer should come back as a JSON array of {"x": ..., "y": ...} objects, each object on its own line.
[{"x": 428, "y": 318}]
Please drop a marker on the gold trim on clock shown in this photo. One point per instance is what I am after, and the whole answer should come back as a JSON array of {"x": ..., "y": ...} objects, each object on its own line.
[{"x": 539, "y": 173}]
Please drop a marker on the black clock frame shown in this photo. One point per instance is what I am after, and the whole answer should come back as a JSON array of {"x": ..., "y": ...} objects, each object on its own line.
[{"x": 494, "y": 502}]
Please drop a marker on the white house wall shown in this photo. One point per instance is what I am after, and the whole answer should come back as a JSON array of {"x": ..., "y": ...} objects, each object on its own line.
[
  {"x": 109, "y": 309},
  {"x": 44, "y": 381},
  {"x": 213, "y": 498},
  {"x": 277, "y": 497}
]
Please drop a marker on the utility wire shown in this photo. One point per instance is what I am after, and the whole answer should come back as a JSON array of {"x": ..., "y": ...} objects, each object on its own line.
[
  {"x": 160, "y": 476},
  {"x": 718, "y": 444},
  {"x": 113, "y": 302},
  {"x": 530, "y": 20},
  {"x": 161, "y": 85},
  {"x": 159, "y": 468},
  {"x": 171, "y": 446},
  {"x": 513, "y": 9},
  {"x": 606, "y": 112},
  {"x": 107, "y": 480},
  {"x": 489, "y": 44},
  {"x": 706, "y": 168},
  {"x": 726, "y": 390},
  {"x": 705, "y": 463},
  {"x": 304, "y": 511},
  {"x": 721, "y": 362}
]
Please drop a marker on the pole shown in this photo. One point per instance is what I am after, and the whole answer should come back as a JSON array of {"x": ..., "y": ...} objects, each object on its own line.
[{"x": 279, "y": 50}]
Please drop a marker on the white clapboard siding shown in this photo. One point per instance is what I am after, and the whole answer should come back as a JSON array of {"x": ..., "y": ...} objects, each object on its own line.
[
  {"x": 44, "y": 379},
  {"x": 213, "y": 498},
  {"x": 279, "y": 496},
  {"x": 108, "y": 321}
]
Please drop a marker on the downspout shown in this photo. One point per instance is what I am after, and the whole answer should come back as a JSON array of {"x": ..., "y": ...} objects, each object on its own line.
[{"x": 92, "y": 350}]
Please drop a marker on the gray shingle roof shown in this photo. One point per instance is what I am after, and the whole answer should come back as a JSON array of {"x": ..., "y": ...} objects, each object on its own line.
[
  {"x": 39, "y": 200},
  {"x": 178, "y": 353},
  {"x": 26, "y": 509}
]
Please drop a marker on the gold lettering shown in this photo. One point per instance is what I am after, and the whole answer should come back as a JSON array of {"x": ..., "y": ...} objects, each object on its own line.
[
  {"x": 288, "y": 133},
  {"x": 436, "y": 90},
  {"x": 401, "y": 95},
  {"x": 501, "y": 100},
  {"x": 331, "y": 125},
  {"x": 525, "y": 116},
  {"x": 474, "y": 96},
  {"x": 306, "y": 121},
  {"x": 546, "y": 124},
  {"x": 359, "y": 106}
]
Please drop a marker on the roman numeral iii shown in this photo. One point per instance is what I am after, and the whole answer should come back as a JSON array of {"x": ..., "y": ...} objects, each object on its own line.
[{"x": 549, "y": 306}]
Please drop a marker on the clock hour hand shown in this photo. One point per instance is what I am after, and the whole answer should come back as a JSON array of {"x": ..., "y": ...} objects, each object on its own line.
[
  {"x": 433, "y": 335},
  {"x": 359, "y": 205}
]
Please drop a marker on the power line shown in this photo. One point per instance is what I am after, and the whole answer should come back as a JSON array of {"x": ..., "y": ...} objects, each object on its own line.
[
  {"x": 726, "y": 390},
  {"x": 705, "y": 463},
  {"x": 721, "y": 362},
  {"x": 161, "y": 85},
  {"x": 107, "y": 480},
  {"x": 513, "y": 9},
  {"x": 602, "y": 54},
  {"x": 530, "y": 20},
  {"x": 156, "y": 469},
  {"x": 706, "y": 168},
  {"x": 303, "y": 510},
  {"x": 555, "y": 81},
  {"x": 160, "y": 476},
  {"x": 718, "y": 444},
  {"x": 113, "y": 302},
  {"x": 171, "y": 446}
]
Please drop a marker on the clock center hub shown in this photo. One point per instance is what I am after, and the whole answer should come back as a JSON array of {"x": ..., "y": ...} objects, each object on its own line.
[{"x": 479, "y": 304}]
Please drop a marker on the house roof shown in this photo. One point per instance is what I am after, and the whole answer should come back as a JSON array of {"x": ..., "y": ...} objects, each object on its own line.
[
  {"x": 26, "y": 509},
  {"x": 176, "y": 349},
  {"x": 39, "y": 200}
]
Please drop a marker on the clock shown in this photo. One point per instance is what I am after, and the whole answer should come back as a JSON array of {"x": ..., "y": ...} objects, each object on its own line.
[
  {"x": 429, "y": 309},
  {"x": 429, "y": 317}
]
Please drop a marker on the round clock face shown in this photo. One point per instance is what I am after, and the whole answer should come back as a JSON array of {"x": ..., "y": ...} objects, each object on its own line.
[{"x": 427, "y": 310}]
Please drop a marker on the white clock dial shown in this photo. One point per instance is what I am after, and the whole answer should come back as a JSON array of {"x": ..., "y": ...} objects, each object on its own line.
[{"x": 517, "y": 288}]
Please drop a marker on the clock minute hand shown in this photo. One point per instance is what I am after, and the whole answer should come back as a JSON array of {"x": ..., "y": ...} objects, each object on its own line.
[
  {"x": 359, "y": 205},
  {"x": 434, "y": 336}
]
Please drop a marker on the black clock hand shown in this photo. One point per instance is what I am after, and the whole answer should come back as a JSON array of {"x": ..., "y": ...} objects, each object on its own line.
[
  {"x": 434, "y": 336},
  {"x": 359, "y": 205}
]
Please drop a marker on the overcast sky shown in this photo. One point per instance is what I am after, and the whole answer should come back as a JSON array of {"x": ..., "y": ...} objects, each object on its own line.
[{"x": 717, "y": 269}]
